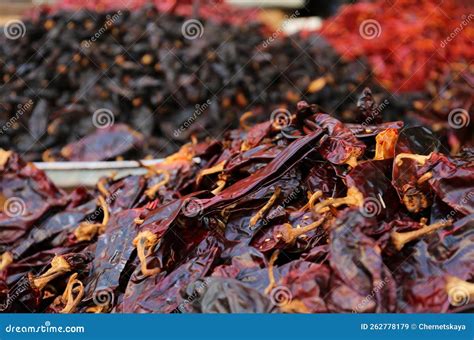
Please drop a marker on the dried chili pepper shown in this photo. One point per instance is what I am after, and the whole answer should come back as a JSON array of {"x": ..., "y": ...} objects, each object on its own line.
[
  {"x": 371, "y": 28},
  {"x": 84, "y": 98},
  {"x": 430, "y": 66},
  {"x": 320, "y": 217}
]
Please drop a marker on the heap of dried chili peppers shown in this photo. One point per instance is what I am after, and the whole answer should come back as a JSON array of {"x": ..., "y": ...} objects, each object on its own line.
[
  {"x": 77, "y": 81},
  {"x": 297, "y": 214},
  {"x": 407, "y": 42},
  {"x": 420, "y": 49}
]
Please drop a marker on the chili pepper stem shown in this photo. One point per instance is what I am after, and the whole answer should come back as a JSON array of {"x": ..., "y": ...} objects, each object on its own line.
[
  {"x": 265, "y": 208},
  {"x": 352, "y": 161},
  {"x": 400, "y": 239},
  {"x": 220, "y": 185},
  {"x": 295, "y": 306},
  {"x": 151, "y": 192},
  {"x": 47, "y": 156},
  {"x": 87, "y": 231},
  {"x": 290, "y": 234},
  {"x": 271, "y": 275},
  {"x": 59, "y": 266},
  {"x": 245, "y": 146},
  {"x": 421, "y": 159},
  {"x": 243, "y": 120},
  {"x": 146, "y": 239},
  {"x": 101, "y": 186},
  {"x": 73, "y": 286},
  {"x": 4, "y": 156},
  {"x": 354, "y": 197},
  {"x": 6, "y": 260},
  {"x": 138, "y": 221},
  {"x": 185, "y": 153},
  {"x": 105, "y": 210},
  {"x": 312, "y": 199},
  {"x": 209, "y": 171},
  {"x": 427, "y": 176},
  {"x": 96, "y": 309}
]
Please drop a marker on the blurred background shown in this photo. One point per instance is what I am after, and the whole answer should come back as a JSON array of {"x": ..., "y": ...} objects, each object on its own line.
[
  {"x": 15, "y": 8},
  {"x": 160, "y": 73}
]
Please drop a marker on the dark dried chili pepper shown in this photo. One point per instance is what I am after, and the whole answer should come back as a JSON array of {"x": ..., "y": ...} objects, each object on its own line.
[{"x": 64, "y": 85}]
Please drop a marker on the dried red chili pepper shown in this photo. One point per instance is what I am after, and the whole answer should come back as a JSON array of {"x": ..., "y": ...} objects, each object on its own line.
[
  {"x": 429, "y": 67},
  {"x": 322, "y": 217},
  {"x": 370, "y": 29}
]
